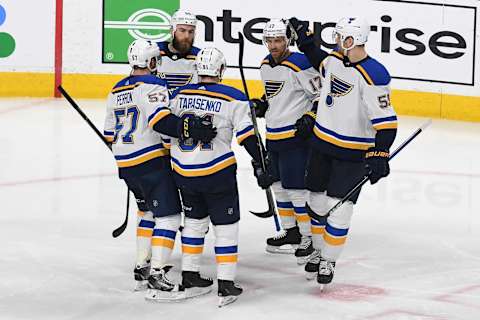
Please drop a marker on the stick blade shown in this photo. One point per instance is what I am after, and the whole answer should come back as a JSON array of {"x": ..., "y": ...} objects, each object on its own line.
[
  {"x": 264, "y": 214},
  {"x": 117, "y": 232}
]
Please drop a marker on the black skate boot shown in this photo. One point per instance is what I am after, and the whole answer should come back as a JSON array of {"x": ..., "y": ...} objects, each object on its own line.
[
  {"x": 141, "y": 273},
  {"x": 326, "y": 270},
  {"x": 304, "y": 250},
  {"x": 194, "y": 284},
  {"x": 228, "y": 292},
  {"x": 311, "y": 268},
  {"x": 285, "y": 242}
]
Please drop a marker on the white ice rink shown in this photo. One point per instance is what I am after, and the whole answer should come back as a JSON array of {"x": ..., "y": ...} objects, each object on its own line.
[{"x": 413, "y": 251}]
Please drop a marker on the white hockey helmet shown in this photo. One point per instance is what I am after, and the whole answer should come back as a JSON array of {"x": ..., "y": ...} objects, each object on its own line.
[
  {"x": 277, "y": 28},
  {"x": 183, "y": 17},
  {"x": 211, "y": 62},
  {"x": 141, "y": 52},
  {"x": 354, "y": 27}
]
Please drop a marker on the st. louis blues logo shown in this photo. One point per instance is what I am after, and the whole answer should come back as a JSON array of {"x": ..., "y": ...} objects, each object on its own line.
[
  {"x": 175, "y": 80},
  {"x": 272, "y": 88},
  {"x": 338, "y": 88}
]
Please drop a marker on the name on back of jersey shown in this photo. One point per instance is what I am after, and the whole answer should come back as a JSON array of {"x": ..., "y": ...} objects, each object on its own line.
[
  {"x": 200, "y": 104},
  {"x": 124, "y": 98}
]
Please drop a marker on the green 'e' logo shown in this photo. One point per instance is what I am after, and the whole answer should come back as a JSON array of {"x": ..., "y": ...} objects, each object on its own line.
[
  {"x": 140, "y": 19},
  {"x": 7, "y": 42}
]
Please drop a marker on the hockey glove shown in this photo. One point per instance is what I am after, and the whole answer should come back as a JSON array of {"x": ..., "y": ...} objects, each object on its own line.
[
  {"x": 377, "y": 164},
  {"x": 264, "y": 179},
  {"x": 304, "y": 126},
  {"x": 260, "y": 106},
  {"x": 304, "y": 35},
  {"x": 198, "y": 129}
]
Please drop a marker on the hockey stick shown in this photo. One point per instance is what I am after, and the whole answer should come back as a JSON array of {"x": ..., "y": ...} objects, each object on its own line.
[
  {"x": 72, "y": 102},
  {"x": 271, "y": 204},
  {"x": 317, "y": 217}
]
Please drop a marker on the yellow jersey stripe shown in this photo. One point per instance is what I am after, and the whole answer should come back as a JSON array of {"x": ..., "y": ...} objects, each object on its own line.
[
  {"x": 245, "y": 136},
  {"x": 340, "y": 143},
  {"x": 286, "y": 212},
  {"x": 159, "y": 116},
  {"x": 380, "y": 126},
  {"x": 280, "y": 135},
  {"x": 131, "y": 86},
  {"x": 143, "y": 158},
  {"x": 302, "y": 217},
  {"x": 146, "y": 233},
  {"x": 365, "y": 74},
  {"x": 204, "y": 172},
  {"x": 318, "y": 229},
  {"x": 291, "y": 65}
]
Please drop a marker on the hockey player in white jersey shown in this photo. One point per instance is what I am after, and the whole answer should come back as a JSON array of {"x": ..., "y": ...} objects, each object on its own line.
[
  {"x": 291, "y": 84},
  {"x": 178, "y": 55},
  {"x": 354, "y": 130},
  {"x": 135, "y": 106},
  {"x": 206, "y": 173}
]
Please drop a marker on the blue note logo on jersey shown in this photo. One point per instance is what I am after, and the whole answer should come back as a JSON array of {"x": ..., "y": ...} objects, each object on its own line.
[
  {"x": 175, "y": 80},
  {"x": 272, "y": 88},
  {"x": 338, "y": 88}
]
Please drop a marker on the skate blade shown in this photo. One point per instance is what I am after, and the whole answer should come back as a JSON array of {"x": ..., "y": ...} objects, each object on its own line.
[
  {"x": 175, "y": 295},
  {"x": 223, "y": 301},
  {"x": 140, "y": 286},
  {"x": 285, "y": 249},
  {"x": 310, "y": 275}
]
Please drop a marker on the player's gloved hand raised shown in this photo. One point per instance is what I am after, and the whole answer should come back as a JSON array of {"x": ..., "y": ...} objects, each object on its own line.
[
  {"x": 304, "y": 126},
  {"x": 260, "y": 106},
  {"x": 198, "y": 129},
  {"x": 377, "y": 164},
  {"x": 304, "y": 35},
  {"x": 264, "y": 179}
]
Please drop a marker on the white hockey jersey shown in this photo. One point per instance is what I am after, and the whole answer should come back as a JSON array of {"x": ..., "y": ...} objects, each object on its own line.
[
  {"x": 133, "y": 107},
  {"x": 228, "y": 109},
  {"x": 177, "y": 70},
  {"x": 290, "y": 88},
  {"x": 354, "y": 103}
]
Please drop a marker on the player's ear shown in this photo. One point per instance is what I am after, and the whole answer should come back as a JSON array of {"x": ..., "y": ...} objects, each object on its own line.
[{"x": 153, "y": 63}]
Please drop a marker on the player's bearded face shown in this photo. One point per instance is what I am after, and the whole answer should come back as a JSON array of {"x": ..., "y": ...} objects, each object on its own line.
[
  {"x": 183, "y": 38},
  {"x": 277, "y": 47}
]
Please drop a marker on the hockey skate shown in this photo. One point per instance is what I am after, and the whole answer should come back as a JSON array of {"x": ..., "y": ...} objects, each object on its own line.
[
  {"x": 195, "y": 285},
  {"x": 311, "y": 268},
  {"x": 304, "y": 250},
  {"x": 161, "y": 289},
  {"x": 141, "y": 273},
  {"x": 286, "y": 242},
  {"x": 326, "y": 270},
  {"x": 228, "y": 292}
]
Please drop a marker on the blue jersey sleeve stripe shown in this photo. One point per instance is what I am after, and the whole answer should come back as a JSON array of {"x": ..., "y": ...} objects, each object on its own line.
[
  {"x": 379, "y": 120},
  {"x": 239, "y": 133}
]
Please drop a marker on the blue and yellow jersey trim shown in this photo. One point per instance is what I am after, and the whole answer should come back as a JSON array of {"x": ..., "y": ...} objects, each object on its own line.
[
  {"x": 374, "y": 73},
  {"x": 296, "y": 61},
  {"x": 108, "y": 135},
  {"x": 385, "y": 123},
  {"x": 281, "y": 133},
  {"x": 204, "y": 169},
  {"x": 356, "y": 143},
  {"x": 244, "y": 134},
  {"x": 192, "y": 245},
  {"x": 158, "y": 115},
  {"x": 318, "y": 227},
  {"x": 141, "y": 156},
  {"x": 206, "y": 93},
  {"x": 334, "y": 236},
  {"x": 163, "y": 238},
  {"x": 126, "y": 88},
  {"x": 226, "y": 254},
  {"x": 285, "y": 209},
  {"x": 336, "y": 54}
]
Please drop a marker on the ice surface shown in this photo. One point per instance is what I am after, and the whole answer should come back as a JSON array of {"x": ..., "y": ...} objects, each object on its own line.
[{"x": 413, "y": 250}]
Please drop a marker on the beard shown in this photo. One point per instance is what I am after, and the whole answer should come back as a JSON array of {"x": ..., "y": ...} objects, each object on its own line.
[{"x": 182, "y": 46}]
